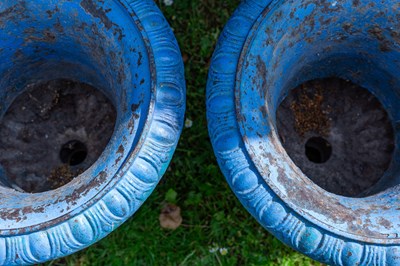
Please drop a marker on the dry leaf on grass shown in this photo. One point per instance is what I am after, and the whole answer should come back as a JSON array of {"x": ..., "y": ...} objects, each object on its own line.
[
  {"x": 170, "y": 217},
  {"x": 185, "y": 58}
]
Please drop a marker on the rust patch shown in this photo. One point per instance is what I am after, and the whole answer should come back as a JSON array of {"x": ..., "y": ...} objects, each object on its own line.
[
  {"x": 98, "y": 12},
  {"x": 262, "y": 73},
  {"x": 91, "y": 8},
  {"x": 264, "y": 111},
  {"x": 308, "y": 198},
  {"x": 11, "y": 214},
  {"x": 378, "y": 33},
  {"x": 131, "y": 125},
  {"x": 8, "y": 11},
  {"x": 385, "y": 223},
  {"x": 45, "y": 36},
  {"x": 14, "y": 12},
  {"x": 356, "y": 3},
  {"x": 120, "y": 34},
  {"x": 139, "y": 62},
  {"x": 58, "y": 26},
  {"x": 84, "y": 190},
  {"x": 121, "y": 152},
  {"x": 135, "y": 107},
  {"x": 50, "y": 13},
  {"x": 19, "y": 214},
  {"x": 347, "y": 27}
]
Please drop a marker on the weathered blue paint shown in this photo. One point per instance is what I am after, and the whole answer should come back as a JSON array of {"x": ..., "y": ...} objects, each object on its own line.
[
  {"x": 125, "y": 48},
  {"x": 269, "y": 47}
]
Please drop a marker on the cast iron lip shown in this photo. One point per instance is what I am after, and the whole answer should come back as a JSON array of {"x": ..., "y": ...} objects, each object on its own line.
[
  {"x": 253, "y": 141},
  {"x": 103, "y": 180},
  {"x": 138, "y": 168}
]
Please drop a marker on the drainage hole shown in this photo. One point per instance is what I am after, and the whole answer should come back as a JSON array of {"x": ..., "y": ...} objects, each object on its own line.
[
  {"x": 73, "y": 153},
  {"x": 318, "y": 150}
]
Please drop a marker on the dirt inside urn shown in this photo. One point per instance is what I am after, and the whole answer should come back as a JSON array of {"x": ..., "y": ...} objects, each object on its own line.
[
  {"x": 338, "y": 134},
  {"x": 52, "y": 133}
]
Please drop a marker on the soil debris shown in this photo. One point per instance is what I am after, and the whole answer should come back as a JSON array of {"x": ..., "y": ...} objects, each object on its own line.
[
  {"x": 310, "y": 116},
  {"x": 49, "y": 125},
  {"x": 62, "y": 175},
  {"x": 338, "y": 134}
]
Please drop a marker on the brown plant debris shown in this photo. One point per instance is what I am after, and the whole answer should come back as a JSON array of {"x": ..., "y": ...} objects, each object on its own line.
[
  {"x": 309, "y": 113},
  {"x": 170, "y": 217},
  {"x": 62, "y": 175}
]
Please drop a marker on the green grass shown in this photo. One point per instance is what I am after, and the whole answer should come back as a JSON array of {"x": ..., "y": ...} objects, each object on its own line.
[{"x": 212, "y": 216}]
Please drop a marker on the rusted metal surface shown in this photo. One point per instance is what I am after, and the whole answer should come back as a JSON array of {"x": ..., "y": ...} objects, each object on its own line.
[
  {"x": 270, "y": 47},
  {"x": 113, "y": 46},
  {"x": 85, "y": 36}
]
